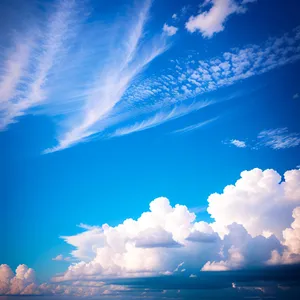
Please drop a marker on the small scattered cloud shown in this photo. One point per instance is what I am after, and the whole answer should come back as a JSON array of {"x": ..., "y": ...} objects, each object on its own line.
[
  {"x": 60, "y": 257},
  {"x": 174, "y": 16},
  {"x": 296, "y": 96},
  {"x": 238, "y": 143},
  {"x": 170, "y": 30},
  {"x": 212, "y": 21},
  {"x": 278, "y": 138}
]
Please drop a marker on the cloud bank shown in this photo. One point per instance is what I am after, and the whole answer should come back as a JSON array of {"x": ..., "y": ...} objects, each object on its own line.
[{"x": 255, "y": 223}]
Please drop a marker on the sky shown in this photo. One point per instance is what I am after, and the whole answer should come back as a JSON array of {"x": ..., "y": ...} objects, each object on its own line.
[{"x": 149, "y": 149}]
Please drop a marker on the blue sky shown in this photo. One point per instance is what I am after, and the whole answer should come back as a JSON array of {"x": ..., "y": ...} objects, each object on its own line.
[{"x": 105, "y": 107}]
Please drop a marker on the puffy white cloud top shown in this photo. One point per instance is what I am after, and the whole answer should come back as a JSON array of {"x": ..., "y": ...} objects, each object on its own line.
[
  {"x": 250, "y": 227},
  {"x": 255, "y": 222}
]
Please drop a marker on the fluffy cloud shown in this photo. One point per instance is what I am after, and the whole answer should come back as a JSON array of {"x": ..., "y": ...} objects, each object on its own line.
[
  {"x": 240, "y": 250},
  {"x": 212, "y": 21},
  {"x": 170, "y": 30},
  {"x": 238, "y": 143},
  {"x": 256, "y": 222},
  {"x": 22, "y": 282},
  {"x": 259, "y": 200},
  {"x": 249, "y": 228}
]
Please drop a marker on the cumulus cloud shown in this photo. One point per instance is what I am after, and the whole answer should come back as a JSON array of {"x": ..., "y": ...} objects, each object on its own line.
[
  {"x": 60, "y": 257},
  {"x": 255, "y": 222},
  {"x": 170, "y": 30},
  {"x": 254, "y": 200},
  {"x": 212, "y": 21},
  {"x": 238, "y": 143},
  {"x": 250, "y": 227},
  {"x": 22, "y": 282}
]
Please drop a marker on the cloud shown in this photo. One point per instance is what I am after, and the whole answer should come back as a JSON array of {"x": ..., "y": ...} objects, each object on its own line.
[
  {"x": 60, "y": 257},
  {"x": 23, "y": 282},
  {"x": 170, "y": 30},
  {"x": 255, "y": 223},
  {"x": 250, "y": 227},
  {"x": 254, "y": 200},
  {"x": 278, "y": 138},
  {"x": 188, "y": 78},
  {"x": 296, "y": 96},
  {"x": 238, "y": 143},
  {"x": 240, "y": 249},
  {"x": 195, "y": 126},
  {"x": 162, "y": 117},
  {"x": 113, "y": 78},
  {"x": 212, "y": 21},
  {"x": 27, "y": 68}
]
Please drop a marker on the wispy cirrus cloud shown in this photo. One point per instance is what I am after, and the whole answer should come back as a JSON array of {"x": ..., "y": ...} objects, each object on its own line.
[
  {"x": 195, "y": 126},
  {"x": 108, "y": 93},
  {"x": 107, "y": 90},
  {"x": 162, "y": 117},
  {"x": 26, "y": 70},
  {"x": 278, "y": 138}
]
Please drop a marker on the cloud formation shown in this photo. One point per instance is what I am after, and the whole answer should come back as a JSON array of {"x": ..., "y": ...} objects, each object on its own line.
[
  {"x": 108, "y": 92},
  {"x": 255, "y": 223},
  {"x": 30, "y": 62},
  {"x": 238, "y": 143},
  {"x": 212, "y": 21},
  {"x": 170, "y": 30},
  {"x": 278, "y": 138}
]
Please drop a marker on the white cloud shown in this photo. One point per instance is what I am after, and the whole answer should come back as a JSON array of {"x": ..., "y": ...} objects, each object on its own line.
[
  {"x": 27, "y": 69},
  {"x": 167, "y": 240},
  {"x": 170, "y": 30},
  {"x": 279, "y": 138},
  {"x": 254, "y": 200},
  {"x": 194, "y": 126},
  {"x": 296, "y": 96},
  {"x": 212, "y": 21},
  {"x": 238, "y": 143},
  {"x": 162, "y": 117},
  {"x": 60, "y": 257},
  {"x": 22, "y": 282},
  {"x": 124, "y": 63},
  {"x": 188, "y": 78},
  {"x": 174, "y": 16}
]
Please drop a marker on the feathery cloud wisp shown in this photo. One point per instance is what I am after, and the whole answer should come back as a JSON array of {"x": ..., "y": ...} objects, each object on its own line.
[{"x": 27, "y": 70}]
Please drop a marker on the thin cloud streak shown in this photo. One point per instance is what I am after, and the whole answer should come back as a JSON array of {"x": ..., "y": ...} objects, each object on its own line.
[
  {"x": 109, "y": 87},
  {"x": 195, "y": 126},
  {"x": 162, "y": 117}
]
